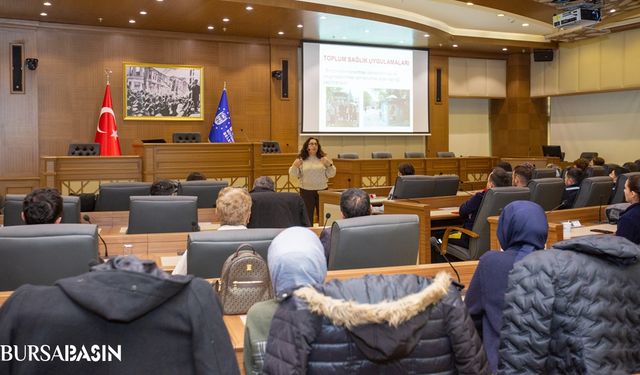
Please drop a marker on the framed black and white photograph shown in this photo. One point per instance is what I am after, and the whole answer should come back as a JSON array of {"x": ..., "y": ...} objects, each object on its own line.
[{"x": 163, "y": 92}]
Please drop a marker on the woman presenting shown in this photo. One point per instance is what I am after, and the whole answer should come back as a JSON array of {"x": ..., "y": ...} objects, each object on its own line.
[{"x": 313, "y": 169}]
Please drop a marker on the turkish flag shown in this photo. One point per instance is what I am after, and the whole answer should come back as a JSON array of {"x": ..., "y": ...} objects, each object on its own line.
[{"x": 107, "y": 132}]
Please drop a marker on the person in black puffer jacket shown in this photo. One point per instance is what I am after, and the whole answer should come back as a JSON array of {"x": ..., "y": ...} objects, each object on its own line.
[
  {"x": 574, "y": 309},
  {"x": 393, "y": 324}
]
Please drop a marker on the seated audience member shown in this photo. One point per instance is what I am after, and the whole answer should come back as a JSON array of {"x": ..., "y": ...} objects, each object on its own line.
[
  {"x": 597, "y": 161},
  {"x": 631, "y": 167},
  {"x": 581, "y": 163},
  {"x": 573, "y": 309},
  {"x": 353, "y": 203},
  {"x": 558, "y": 169},
  {"x": 505, "y": 165},
  {"x": 295, "y": 259},
  {"x": 469, "y": 209},
  {"x": 572, "y": 180},
  {"x": 522, "y": 229},
  {"x": 196, "y": 176},
  {"x": 164, "y": 187},
  {"x": 270, "y": 209},
  {"x": 637, "y": 163},
  {"x": 42, "y": 206},
  {"x": 234, "y": 208},
  {"x": 629, "y": 222},
  {"x": 376, "y": 324},
  {"x": 616, "y": 172},
  {"x": 155, "y": 323},
  {"x": 404, "y": 169},
  {"x": 522, "y": 175}
]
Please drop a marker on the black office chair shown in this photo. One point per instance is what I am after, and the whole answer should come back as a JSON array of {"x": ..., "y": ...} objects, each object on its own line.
[
  {"x": 348, "y": 155},
  {"x": 163, "y": 214},
  {"x": 594, "y": 191},
  {"x": 413, "y": 154},
  {"x": 547, "y": 192},
  {"x": 445, "y": 154},
  {"x": 84, "y": 149},
  {"x": 596, "y": 170},
  {"x": 618, "y": 197},
  {"x": 186, "y": 137},
  {"x": 115, "y": 196},
  {"x": 538, "y": 173},
  {"x": 381, "y": 155},
  {"x": 42, "y": 254},
  {"x": 13, "y": 210},
  {"x": 270, "y": 147},
  {"x": 588, "y": 155},
  {"x": 446, "y": 185},
  {"x": 206, "y": 191}
]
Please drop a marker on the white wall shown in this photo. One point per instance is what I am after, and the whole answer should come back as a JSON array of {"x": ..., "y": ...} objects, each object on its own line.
[
  {"x": 608, "y": 123},
  {"x": 469, "y": 132}
]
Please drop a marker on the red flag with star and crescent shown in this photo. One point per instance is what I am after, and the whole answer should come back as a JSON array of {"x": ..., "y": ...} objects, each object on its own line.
[{"x": 107, "y": 132}]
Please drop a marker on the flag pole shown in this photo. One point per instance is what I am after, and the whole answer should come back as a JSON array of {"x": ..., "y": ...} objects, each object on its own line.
[
  {"x": 107, "y": 73},
  {"x": 225, "y": 85}
]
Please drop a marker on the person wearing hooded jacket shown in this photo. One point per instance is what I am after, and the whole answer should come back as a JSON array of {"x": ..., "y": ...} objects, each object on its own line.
[
  {"x": 574, "y": 309},
  {"x": 522, "y": 229},
  {"x": 163, "y": 324},
  {"x": 295, "y": 258},
  {"x": 377, "y": 324}
]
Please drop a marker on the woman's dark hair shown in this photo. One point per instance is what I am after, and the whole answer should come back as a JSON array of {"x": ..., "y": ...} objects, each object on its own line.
[
  {"x": 505, "y": 165},
  {"x": 42, "y": 206},
  {"x": 618, "y": 170},
  {"x": 406, "y": 169},
  {"x": 164, "y": 187},
  {"x": 304, "y": 152},
  {"x": 500, "y": 177},
  {"x": 196, "y": 176},
  {"x": 631, "y": 166},
  {"x": 634, "y": 183},
  {"x": 598, "y": 161},
  {"x": 581, "y": 163},
  {"x": 576, "y": 174}
]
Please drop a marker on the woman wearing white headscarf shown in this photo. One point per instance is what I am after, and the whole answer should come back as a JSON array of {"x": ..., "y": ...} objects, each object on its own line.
[{"x": 295, "y": 258}]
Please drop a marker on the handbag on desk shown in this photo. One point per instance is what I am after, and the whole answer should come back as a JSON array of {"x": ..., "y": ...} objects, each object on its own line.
[{"x": 244, "y": 281}]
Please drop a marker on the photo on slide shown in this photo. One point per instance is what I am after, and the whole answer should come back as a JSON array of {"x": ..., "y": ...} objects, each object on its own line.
[
  {"x": 386, "y": 107},
  {"x": 342, "y": 108}
]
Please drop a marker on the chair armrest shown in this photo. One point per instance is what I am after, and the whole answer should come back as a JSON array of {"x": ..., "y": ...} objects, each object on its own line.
[{"x": 445, "y": 237}]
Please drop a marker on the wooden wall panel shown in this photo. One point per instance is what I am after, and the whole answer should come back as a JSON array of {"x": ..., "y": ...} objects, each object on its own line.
[
  {"x": 72, "y": 82},
  {"x": 478, "y": 78},
  {"x": 438, "y": 112}
]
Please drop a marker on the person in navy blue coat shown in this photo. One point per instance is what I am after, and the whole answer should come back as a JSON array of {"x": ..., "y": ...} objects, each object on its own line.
[
  {"x": 572, "y": 180},
  {"x": 522, "y": 229},
  {"x": 629, "y": 223}
]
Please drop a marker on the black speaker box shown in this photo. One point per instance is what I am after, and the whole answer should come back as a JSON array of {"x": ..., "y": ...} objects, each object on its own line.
[
  {"x": 285, "y": 79},
  {"x": 542, "y": 55},
  {"x": 17, "y": 72}
]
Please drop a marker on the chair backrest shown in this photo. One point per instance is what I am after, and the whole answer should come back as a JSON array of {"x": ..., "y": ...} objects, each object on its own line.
[
  {"x": 588, "y": 155},
  {"x": 416, "y": 186},
  {"x": 446, "y": 185},
  {"x": 186, "y": 137},
  {"x": 494, "y": 201},
  {"x": 270, "y": 147},
  {"x": 277, "y": 210},
  {"x": 594, "y": 191},
  {"x": 374, "y": 241},
  {"x": 413, "y": 154},
  {"x": 552, "y": 150},
  {"x": 206, "y": 191},
  {"x": 207, "y": 251},
  {"x": 163, "y": 214},
  {"x": 84, "y": 149},
  {"x": 381, "y": 155},
  {"x": 596, "y": 170},
  {"x": 42, "y": 254},
  {"x": 13, "y": 209},
  {"x": 115, "y": 196},
  {"x": 618, "y": 197},
  {"x": 547, "y": 192},
  {"x": 538, "y": 173},
  {"x": 445, "y": 154},
  {"x": 348, "y": 155}
]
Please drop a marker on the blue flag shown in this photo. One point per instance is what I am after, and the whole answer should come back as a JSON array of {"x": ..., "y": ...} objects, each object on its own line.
[{"x": 221, "y": 130}]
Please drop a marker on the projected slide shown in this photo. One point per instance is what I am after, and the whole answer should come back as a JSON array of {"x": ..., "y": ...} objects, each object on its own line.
[{"x": 353, "y": 89}]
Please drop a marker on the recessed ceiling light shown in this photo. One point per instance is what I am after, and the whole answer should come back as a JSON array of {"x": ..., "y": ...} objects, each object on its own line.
[
  {"x": 469, "y": 3},
  {"x": 43, "y": 14},
  {"x": 299, "y": 26},
  {"x": 525, "y": 25},
  {"x": 132, "y": 21},
  {"x": 225, "y": 19},
  {"x": 401, "y": 41},
  {"x": 210, "y": 27},
  {"x": 505, "y": 49},
  {"x": 248, "y": 7},
  {"x": 366, "y": 30},
  {"x": 159, "y": 1},
  {"x": 612, "y": 11},
  {"x": 143, "y": 12},
  {"x": 323, "y": 17},
  {"x": 455, "y": 46},
  {"x": 344, "y": 38},
  {"x": 47, "y": 4},
  {"x": 280, "y": 32},
  {"x": 500, "y": 14},
  {"x": 426, "y": 35}
]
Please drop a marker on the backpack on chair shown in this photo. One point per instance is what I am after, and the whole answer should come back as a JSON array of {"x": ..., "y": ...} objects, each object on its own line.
[{"x": 244, "y": 281}]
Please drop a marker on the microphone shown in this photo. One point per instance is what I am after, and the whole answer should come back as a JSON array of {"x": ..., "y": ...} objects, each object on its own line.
[
  {"x": 327, "y": 216},
  {"x": 195, "y": 227},
  {"x": 87, "y": 218},
  {"x": 558, "y": 206}
]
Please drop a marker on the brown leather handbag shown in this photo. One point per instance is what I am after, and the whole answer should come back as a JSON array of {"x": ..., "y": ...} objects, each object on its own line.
[{"x": 244, "y": 281}]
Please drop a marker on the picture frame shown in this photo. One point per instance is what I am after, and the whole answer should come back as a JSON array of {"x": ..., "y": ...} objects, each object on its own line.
[{"x": 163, "y": 92}]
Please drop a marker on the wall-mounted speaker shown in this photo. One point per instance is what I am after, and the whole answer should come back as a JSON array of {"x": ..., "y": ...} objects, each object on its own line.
[
  {"x": 17, "y": 71},
  {"x": 438, "y": 86},
  {"x": 545, "y": 54},
  {"x": 285, "y": 79}
]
